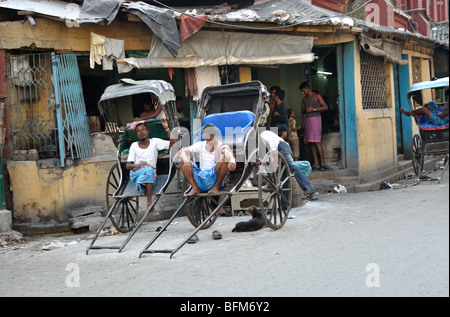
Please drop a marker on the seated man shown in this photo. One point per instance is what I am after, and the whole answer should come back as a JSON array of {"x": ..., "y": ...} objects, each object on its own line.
[
  {"x": 216, "y": 160},
  {"x": 277, "y": 142},
  {"x": 432, "y": 112},
  {"x": 142, "y": 160},
  {"x": 152, "y": 110}
]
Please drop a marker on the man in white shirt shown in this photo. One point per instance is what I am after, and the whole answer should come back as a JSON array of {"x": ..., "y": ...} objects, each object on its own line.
[
  {"x": 142, "y": 159},
  {"x": 273, "y": 141},
  {"x": 216, "y": 160}
]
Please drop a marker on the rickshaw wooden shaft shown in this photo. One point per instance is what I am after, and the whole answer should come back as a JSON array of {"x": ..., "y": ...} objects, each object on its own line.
[
  {"x": 172, "y": 252},
  {"x": 174, "y": 215},
  {"x": 247, "y": 171}
]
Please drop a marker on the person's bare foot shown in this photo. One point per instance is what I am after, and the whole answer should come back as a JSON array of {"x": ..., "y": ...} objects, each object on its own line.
[
  {"x": 213, "y": 191},
  {"x": 192, "y": 192},
  {"x": 154, "y": 212}
]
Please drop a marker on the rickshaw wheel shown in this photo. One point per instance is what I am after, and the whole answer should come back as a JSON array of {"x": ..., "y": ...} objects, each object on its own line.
[
  {"x": 125, "y": 213},
  {"x": 112, "y": 183},
  {"x": 274, "y": 189},
  {"x": 417, "y": 159},
  {"x": 198, "y": 208}
]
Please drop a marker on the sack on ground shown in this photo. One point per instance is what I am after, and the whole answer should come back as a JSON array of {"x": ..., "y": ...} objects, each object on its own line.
[{"x": 304, "y": 166}]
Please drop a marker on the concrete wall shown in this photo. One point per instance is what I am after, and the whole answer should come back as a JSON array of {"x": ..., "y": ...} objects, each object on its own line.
[
  {"x": 376, "y": 128},
  {"x": 56, "y": 35},
  {"x": 43, "y": 192},
  {"x": 376, "y": 131}
]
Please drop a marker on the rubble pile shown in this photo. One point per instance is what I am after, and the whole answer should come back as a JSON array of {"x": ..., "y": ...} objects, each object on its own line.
[
  {"x": 88, "y": 217},
  {"x": 10, "y": 238}
]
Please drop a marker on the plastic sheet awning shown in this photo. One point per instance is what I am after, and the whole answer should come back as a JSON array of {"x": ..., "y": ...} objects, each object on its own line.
[
  {"x": 389, "y": 49},
  {"x": 209, "y": 48},
  {"x": 431, "y": 84}
]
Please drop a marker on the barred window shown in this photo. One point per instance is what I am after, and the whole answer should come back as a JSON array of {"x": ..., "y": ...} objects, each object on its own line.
[
  {"x": 229, "y": 74},
  {"x": 373, "y": 83}
]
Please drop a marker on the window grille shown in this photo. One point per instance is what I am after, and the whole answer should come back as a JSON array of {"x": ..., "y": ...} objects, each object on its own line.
[
  {"x": 229, "y": 74},
  {"x": 33, "y": 122},
  {"x": 373, "y": 83},
  {"x": 47, "y": 106}
]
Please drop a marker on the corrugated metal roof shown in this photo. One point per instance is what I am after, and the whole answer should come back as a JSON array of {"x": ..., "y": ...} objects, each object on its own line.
[
  {"x": 281, "y": 12},
  {"x": 284, "y": 12},
  {"x": 295, "y": 12}
]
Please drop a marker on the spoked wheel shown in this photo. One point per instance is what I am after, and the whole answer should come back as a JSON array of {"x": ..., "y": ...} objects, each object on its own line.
[
  {"x": 198, "y": 208},
  {"x": 274, "y": 189},
  {"x": 112, "y": 184},
  {"x": 417, "y": 160},
  {"x": 125, "y": 213}
]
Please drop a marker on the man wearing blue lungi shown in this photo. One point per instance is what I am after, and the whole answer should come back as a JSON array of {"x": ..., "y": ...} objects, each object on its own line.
[
  {"x": 216, "y": 160},
  {"x": 142, "y": 160}
]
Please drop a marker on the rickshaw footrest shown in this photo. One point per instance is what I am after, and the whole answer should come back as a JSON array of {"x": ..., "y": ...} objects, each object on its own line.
[
  {"x": 108, "y": 247},
  {"x": 157, "y": 251}
]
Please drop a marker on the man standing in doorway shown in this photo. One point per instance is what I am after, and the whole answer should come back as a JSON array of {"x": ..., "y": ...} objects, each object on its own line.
[
  {"x": 280, "y": 111},
  {"x": 312, "y": 105}
]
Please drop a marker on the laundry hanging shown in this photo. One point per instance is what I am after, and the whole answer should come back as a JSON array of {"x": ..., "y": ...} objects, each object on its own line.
[
  {"x": 99, "y": 11},
  {"x": 161, "y": 22}
]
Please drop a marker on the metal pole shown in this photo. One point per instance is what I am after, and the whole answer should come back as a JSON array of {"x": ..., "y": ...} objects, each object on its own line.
[
  {"x": 62, "y": 151},
  {"x": 2, "y": 133}
]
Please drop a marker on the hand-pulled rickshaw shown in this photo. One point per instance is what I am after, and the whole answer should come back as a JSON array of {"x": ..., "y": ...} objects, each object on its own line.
[
  {"x": 432, "y": 139},
  {"x": 239, "y": 111},
  {"x": 116, "y": 105}
]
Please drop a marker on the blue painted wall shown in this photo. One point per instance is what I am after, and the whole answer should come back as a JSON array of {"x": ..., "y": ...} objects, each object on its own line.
[
  {"x": 348, "y": 108},
  {"x": 404, "y": 84}
]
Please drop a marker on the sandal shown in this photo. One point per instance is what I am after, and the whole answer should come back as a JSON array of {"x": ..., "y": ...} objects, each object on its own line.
[
  {"x": 323, "y": 168},
  {"x": 216, "y": 235},
  {"x": 193, "y": 239},
  {"x": 159, "y": 229}
]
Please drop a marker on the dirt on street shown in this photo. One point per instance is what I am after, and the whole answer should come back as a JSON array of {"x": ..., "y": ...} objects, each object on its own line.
[{"x": 392, "y": 242}]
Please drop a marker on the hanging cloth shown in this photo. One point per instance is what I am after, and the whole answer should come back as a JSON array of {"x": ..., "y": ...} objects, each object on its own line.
[
  {"x": 189, "y": 25},
  {"x": 97, "y": 49},
  {"x": 161, "y": 22}
]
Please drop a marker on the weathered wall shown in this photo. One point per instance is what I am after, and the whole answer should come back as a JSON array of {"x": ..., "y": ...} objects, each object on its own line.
[
  {"x": 376, "y": 131},
  {"x": 58, "y": 36},
  {"x": 43, "y": 192}
]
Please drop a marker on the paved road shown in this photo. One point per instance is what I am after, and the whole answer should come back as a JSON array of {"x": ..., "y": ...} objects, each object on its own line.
[{"x": 385, "y": 243}]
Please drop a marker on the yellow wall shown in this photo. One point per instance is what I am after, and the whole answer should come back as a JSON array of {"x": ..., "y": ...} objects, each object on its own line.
[
  {"x": 377, "y": 141},
  {"x": 376, "y": 127},
  {"x": 245, "y": 74},
  {"x": 56, "y": 35},
  {"x": 42, "y": 192},
  {"x": 427, "y": 73}
]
